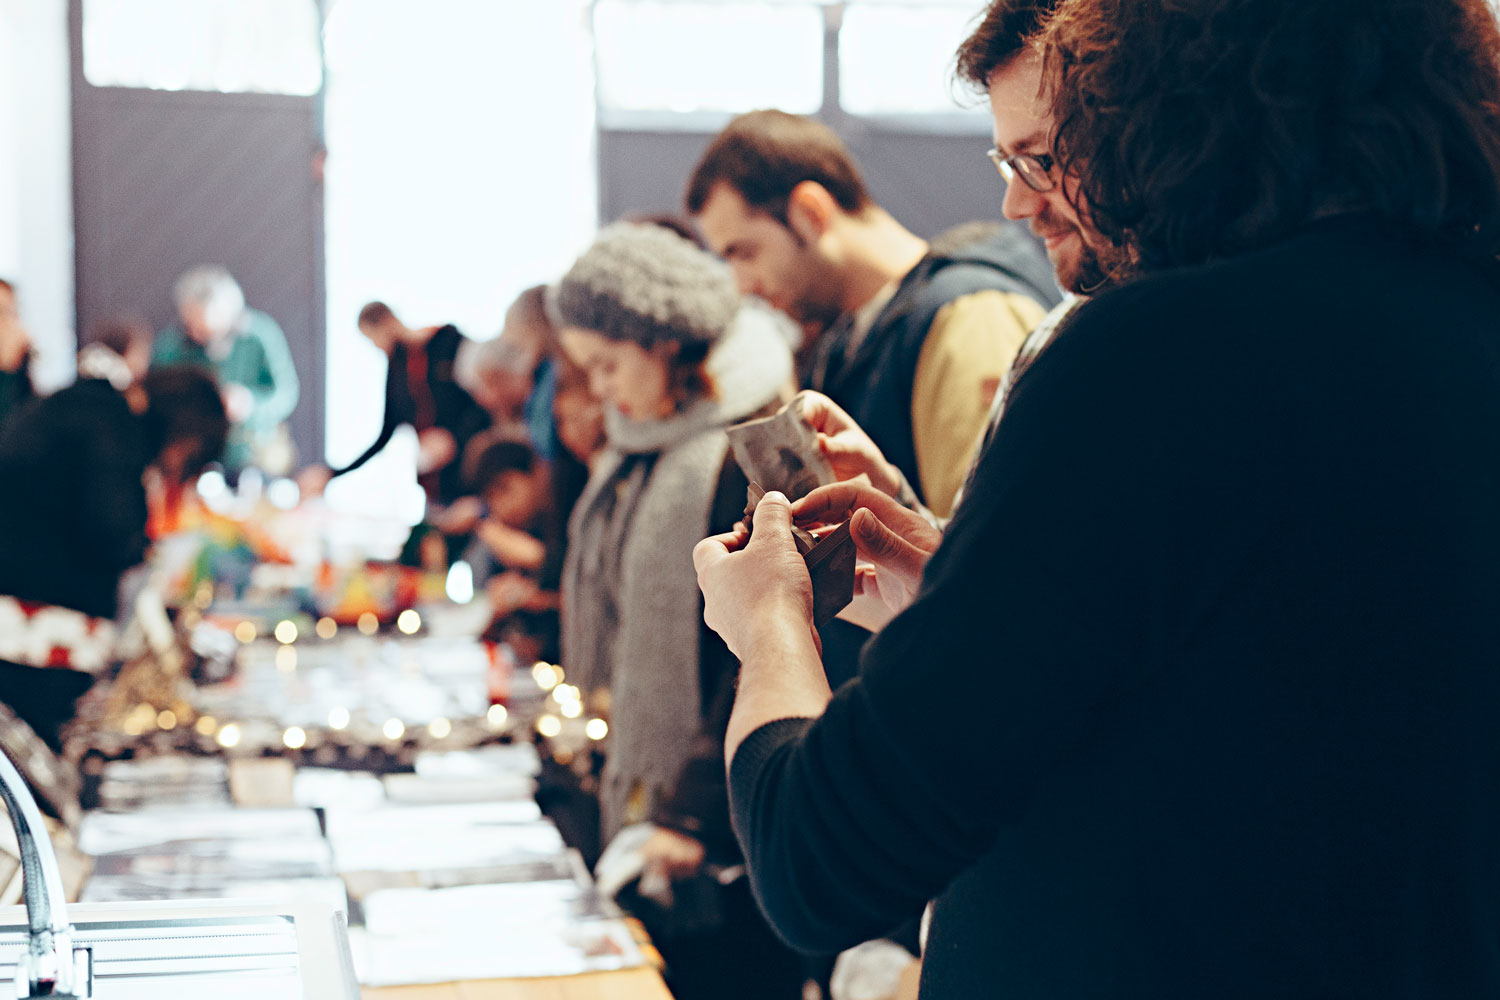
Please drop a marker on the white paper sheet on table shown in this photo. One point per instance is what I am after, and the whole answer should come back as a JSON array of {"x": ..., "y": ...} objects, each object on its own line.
[
  {"x": 110, "y": 833},
  {"x": 330, "y": 788},
  {"x": 418, "y": 789},
  {"x": 430, "y": 819},
  {"x": 516, "y": 758},
  {"x": 416, "y": 850},
  {"x": 114, "y": 888},
  {"x": 400, "y": 912},
  {"x": 596, "y": 946}
]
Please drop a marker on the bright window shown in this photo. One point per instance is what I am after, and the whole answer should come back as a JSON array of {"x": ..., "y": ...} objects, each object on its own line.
[
  {"x": 231, "y": 46},
  {"x": 461, "y": 169},
  {"x": 685, "y": 57},
  {"x": 898, "y": 58}
]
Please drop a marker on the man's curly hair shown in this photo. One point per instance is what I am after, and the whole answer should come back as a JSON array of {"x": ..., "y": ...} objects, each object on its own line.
[{"x": 1203, "y": 129}]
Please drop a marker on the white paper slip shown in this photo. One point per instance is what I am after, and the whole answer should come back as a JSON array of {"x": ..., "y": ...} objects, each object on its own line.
[
  {"x": 108, "y": 833},
  {"x": 430, "y": 819},
  {"x": 474, "y": 953},
  {"x": 417, "y": 789},
  {"x": 417, "y": 850},
  {"x": 395, "y": 912},
  {"x": 517, "y": 758}
]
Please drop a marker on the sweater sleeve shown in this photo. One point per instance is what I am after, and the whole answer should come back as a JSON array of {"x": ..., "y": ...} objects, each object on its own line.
[
  {"x": 969, "y": 348},
  {"x": 275, "y": 385},
  {"x": 389, "y": 421},
  {"x": 1027, "y": 628}
]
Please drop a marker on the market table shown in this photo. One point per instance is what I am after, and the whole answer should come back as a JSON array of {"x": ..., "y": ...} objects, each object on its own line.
[{"x": 627, "y": 984}]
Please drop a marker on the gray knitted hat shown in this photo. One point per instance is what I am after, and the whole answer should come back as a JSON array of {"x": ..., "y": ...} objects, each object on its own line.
[{"x": 644, "y": 283}]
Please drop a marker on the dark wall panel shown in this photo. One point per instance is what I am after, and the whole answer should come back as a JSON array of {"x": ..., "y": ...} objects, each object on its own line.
[
  {"x": 927, "y": 181},
  {"x": 164, "y": 181}
]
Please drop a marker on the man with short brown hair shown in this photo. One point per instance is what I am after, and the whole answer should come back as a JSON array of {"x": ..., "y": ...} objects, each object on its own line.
[{"x": 914, "y": 336}]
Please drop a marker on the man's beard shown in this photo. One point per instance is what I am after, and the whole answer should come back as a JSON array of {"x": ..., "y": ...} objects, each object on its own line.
[{"x": 1086, "y": 275}]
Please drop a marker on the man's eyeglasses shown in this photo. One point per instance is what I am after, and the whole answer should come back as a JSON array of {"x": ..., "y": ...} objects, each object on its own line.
[{"x": 1035, "y": 169}]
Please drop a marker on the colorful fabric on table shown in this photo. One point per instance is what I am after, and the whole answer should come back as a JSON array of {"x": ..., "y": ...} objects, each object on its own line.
[{"x": 48, "y": 636}]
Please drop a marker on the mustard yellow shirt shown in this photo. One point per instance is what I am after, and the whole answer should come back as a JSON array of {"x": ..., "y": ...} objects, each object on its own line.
[{"x": 969, "y": 348}]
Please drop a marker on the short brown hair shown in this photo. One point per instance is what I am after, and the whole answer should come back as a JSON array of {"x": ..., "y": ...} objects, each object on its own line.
[
  {"x": 1004, "y": 31},
  {"x": 375, "y": 313},
  {"x": 1200, "y": 131},
  {"x": 763, "y": 155}
]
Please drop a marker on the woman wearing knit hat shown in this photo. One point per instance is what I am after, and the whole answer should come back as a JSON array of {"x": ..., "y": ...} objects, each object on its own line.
[{"x": 667, "y": 343}]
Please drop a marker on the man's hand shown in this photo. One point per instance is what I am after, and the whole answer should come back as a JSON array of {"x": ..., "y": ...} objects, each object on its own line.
[
  {"x": 670, "y": 855},
  {"x": 512, "y": 547},
  {"x": 898, "y": 542},
  {"x": 239, "y": 403},
  {"x": 752, "y": 591},
  {"x": 845, "y": 444},
  {"x": 510, "y": 592},
  {"x": 313, "y": 480},
  {"x": 435, "y": 449},
  {"x": 457, "y": 518}
]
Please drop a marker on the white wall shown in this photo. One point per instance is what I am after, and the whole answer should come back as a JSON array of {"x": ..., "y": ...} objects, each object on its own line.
[
  {"x": 460, "y": 171},
  {"x": 36, "y": 177}
]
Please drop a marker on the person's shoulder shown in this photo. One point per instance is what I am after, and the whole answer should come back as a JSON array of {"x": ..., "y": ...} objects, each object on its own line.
[
  {"x": 262, "y": 324},
  {"x": 446, "y": 341},
  {"x": 990, "y": 255},
  {"x": 88, "y": 402}
]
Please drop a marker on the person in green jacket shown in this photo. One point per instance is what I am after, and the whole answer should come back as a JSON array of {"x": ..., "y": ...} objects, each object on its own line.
[{"x": 244, "y": 349}]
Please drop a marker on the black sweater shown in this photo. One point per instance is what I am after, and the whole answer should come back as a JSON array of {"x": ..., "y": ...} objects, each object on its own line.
[
  {"x": 421, "y": 390},
  {"x": 71, "y": 500},
  {"x": 1201, "y": 697}
]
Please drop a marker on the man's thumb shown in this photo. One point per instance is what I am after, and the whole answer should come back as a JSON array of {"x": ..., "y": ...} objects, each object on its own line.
[
  {"x": 773, "y": 516},
  {"x": 882, "y": 546}
]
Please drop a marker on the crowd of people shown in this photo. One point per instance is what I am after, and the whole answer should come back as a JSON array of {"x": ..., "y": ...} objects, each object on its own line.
[{"x": 1171, "y": 667}]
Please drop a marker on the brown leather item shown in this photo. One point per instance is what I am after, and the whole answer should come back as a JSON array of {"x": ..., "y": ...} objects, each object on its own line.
[{"x": 829, "y": 559}]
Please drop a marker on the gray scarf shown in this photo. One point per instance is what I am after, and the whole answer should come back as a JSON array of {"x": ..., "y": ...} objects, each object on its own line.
[{"x": 631, "y": 608}]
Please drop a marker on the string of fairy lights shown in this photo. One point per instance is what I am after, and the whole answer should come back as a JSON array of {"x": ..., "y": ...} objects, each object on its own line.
[{"x": 165, "y": 720}]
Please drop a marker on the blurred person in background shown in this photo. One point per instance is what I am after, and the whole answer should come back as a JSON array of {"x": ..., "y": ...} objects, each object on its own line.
[
  {"x": 910, "y": 338},
  {"x": 517, "y": 553},
  {"x": 565, "y": 790},
  {"x": 511, "y": 481},
  {"x": 15, "y": 355},
  {"x": 422, "y": 391},
  {"x": 513, "y": 375},
  {"x": 118, "y": 351},
  {"x": 75, "y": 466},
  {"x": 578, "y": 416},
  {"x": 246, "y": 351},
  {"x": 578, "y": 419},
  {"x": 657, "y": 325}
]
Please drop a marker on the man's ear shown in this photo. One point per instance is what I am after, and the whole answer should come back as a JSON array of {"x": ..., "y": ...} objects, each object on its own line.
[{"x": 810, "y": 211}]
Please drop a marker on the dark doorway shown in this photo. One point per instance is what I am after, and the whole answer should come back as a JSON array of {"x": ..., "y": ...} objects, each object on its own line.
[{"x": 164, "y": 180}]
